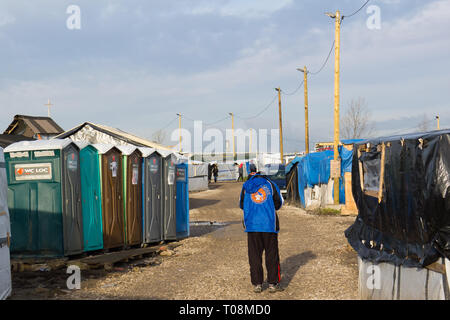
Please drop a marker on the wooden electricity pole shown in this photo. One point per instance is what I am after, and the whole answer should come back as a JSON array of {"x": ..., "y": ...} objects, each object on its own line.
[
  {"x": 305, "y": 83},
  {"x": 337, "y": 18},
  {"x": 281, "y": 125}
]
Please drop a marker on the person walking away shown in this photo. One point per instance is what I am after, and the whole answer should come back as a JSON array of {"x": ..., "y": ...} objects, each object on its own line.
[
  {"x": 260, "y": 199},
  {"x": 241, "y": 172},
  {"x": 215, "y": 171}
]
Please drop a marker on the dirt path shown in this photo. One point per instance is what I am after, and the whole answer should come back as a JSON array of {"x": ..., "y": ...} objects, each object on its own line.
[{"x": 316, "y": 262}]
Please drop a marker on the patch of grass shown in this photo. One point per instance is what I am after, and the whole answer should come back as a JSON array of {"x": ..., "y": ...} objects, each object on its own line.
[{"x": 325, "y": 212}]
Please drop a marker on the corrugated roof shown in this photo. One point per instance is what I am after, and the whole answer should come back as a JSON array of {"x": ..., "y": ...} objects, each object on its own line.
[
  {"x": 43, "y": 125},
  {"x": 116, "y": 133}
]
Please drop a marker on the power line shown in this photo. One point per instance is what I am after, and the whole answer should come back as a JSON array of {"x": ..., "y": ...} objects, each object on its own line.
[
  {"x": 167, "y": 124},
  {"x": 295, "y": 91},
  {"x": 260, "y": 113},
  {"x": 326, "y": 60},
  {"x": 351, "y": 15}
]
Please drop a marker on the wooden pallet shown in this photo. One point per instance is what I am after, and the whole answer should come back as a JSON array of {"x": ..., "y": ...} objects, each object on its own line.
[{"x": 103, "y": 260}]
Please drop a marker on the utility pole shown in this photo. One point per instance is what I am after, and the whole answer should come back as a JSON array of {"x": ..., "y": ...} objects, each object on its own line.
[
  {"x": 179, "y": 128},
  {"x": 337, "y": 18},
  {"x": 232, "y": 133},
  {"x": 305, "y": 84},
  {"x": 281, "y": 125},
  {"x": 438, "y": 126},
  {"x": 48, "y": 107}
]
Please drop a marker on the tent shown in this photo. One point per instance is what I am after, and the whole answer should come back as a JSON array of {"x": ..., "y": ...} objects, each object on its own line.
[
  {"x": 198, "y": 176},
  {"x": 309, "y": 175},
  {"x": 401, "y": 185},
  {"x": 5, "y": 232}
]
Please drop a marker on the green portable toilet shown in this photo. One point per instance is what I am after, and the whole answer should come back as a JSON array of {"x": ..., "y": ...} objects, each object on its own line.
[
  {"x": 44, "y": 198},
  {"x": 91, "y": 201}
]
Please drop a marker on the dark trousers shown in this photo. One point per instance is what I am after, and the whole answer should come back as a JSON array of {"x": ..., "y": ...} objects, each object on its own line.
[{"x": 257, "y": 243}]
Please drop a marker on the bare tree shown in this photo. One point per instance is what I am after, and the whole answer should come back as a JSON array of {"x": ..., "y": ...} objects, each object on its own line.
[
  {"x": 159, "y": 136},
  {"x": 356, "y": 122},
  {"x": 424, "y": 124}
]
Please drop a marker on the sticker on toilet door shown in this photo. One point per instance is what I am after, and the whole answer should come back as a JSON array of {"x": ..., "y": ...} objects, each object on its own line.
[
  {"x": 113, "y": 166},
  {"x": 135, "y": 174}
]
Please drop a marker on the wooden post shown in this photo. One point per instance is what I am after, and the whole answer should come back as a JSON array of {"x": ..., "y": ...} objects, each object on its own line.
[
  {"x": 305, "y": 74},
  {"x": 336, "y": 101},
  {"x": 383, "y": 157},
  {"x": 281, "y": 125}
]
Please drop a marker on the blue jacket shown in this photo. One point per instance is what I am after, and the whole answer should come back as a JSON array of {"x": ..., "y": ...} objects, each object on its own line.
[{"x": 260, "y": 199}]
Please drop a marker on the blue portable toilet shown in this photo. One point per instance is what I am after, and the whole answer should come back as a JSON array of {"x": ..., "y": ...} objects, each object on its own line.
[{"x": 182, "y": 201}]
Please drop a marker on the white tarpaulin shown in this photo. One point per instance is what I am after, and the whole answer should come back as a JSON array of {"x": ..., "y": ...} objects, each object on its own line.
[
  {"x": 198, "y": 176},
  {"x": 5, "y": 232},
  {"x": 385, "y": 281},
  {"x": 319, "y": 196},
  {"x": 227, "y": 172}
]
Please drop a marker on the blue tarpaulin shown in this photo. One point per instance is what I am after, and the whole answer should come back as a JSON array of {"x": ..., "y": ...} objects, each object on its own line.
[{"x": 314, "y": 169}]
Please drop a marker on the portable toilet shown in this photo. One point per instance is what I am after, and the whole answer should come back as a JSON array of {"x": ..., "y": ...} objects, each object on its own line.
[
  {"x": 5, "y": 233},
  {"x": 112, "y": 195},
  {"x": 152, "y": 204},
  {"x": 132, "y": 190},
  {"x": 169, "y": 196},
  {"x": 44, "y": 198},
  {"x": 91, "y": 201},
  {"x": 182, "y": 202}
]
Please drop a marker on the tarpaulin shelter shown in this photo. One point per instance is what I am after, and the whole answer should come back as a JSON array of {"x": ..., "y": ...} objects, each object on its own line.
[
  {"x": 5, "y": 233},
  {"x": 401, "y": 185},
  {"x": 102, "y": 134},
  {"x": 312, "y": 172},
  {"x": 198, "y": 176},
  {"x": 44, "y": 198}
]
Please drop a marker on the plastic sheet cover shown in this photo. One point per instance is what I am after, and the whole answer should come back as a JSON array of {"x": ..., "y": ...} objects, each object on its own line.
[
  {"x": 410, "y": 224},
  {"x": 314, "y": 169}
]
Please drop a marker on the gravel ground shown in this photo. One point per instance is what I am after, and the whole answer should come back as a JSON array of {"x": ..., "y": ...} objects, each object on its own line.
[{"x": 316, "y": 261}]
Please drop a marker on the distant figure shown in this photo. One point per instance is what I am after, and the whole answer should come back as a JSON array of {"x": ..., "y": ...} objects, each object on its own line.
[
  {"x": 215, "y": 171},
  {"x": 241, "y": 172},
  {"x": 210, "y": 166},
  {"x": 260, "y": 199}
]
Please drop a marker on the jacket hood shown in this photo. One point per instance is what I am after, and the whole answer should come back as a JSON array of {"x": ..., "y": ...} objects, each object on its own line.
[{"x": 254, "y": 184}]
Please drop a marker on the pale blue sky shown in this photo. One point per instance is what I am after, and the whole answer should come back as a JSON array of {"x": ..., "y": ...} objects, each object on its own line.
[{"x": 135, "y": 64}]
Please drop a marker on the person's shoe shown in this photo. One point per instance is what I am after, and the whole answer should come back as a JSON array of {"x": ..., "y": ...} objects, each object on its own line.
[
  {"x": 275, "y": 288},
  {"x": 257, "y": 288}
]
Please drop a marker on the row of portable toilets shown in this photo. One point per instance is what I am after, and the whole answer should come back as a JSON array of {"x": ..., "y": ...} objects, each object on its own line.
[{"x": 66, "y": 197}]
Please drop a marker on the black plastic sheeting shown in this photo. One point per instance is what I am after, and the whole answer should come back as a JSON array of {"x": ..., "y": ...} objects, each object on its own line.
[{"x": 411, "y": 225}]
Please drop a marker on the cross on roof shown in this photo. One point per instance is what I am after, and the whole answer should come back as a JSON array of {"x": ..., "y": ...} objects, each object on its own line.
[{"x": 48, "y": 106}]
